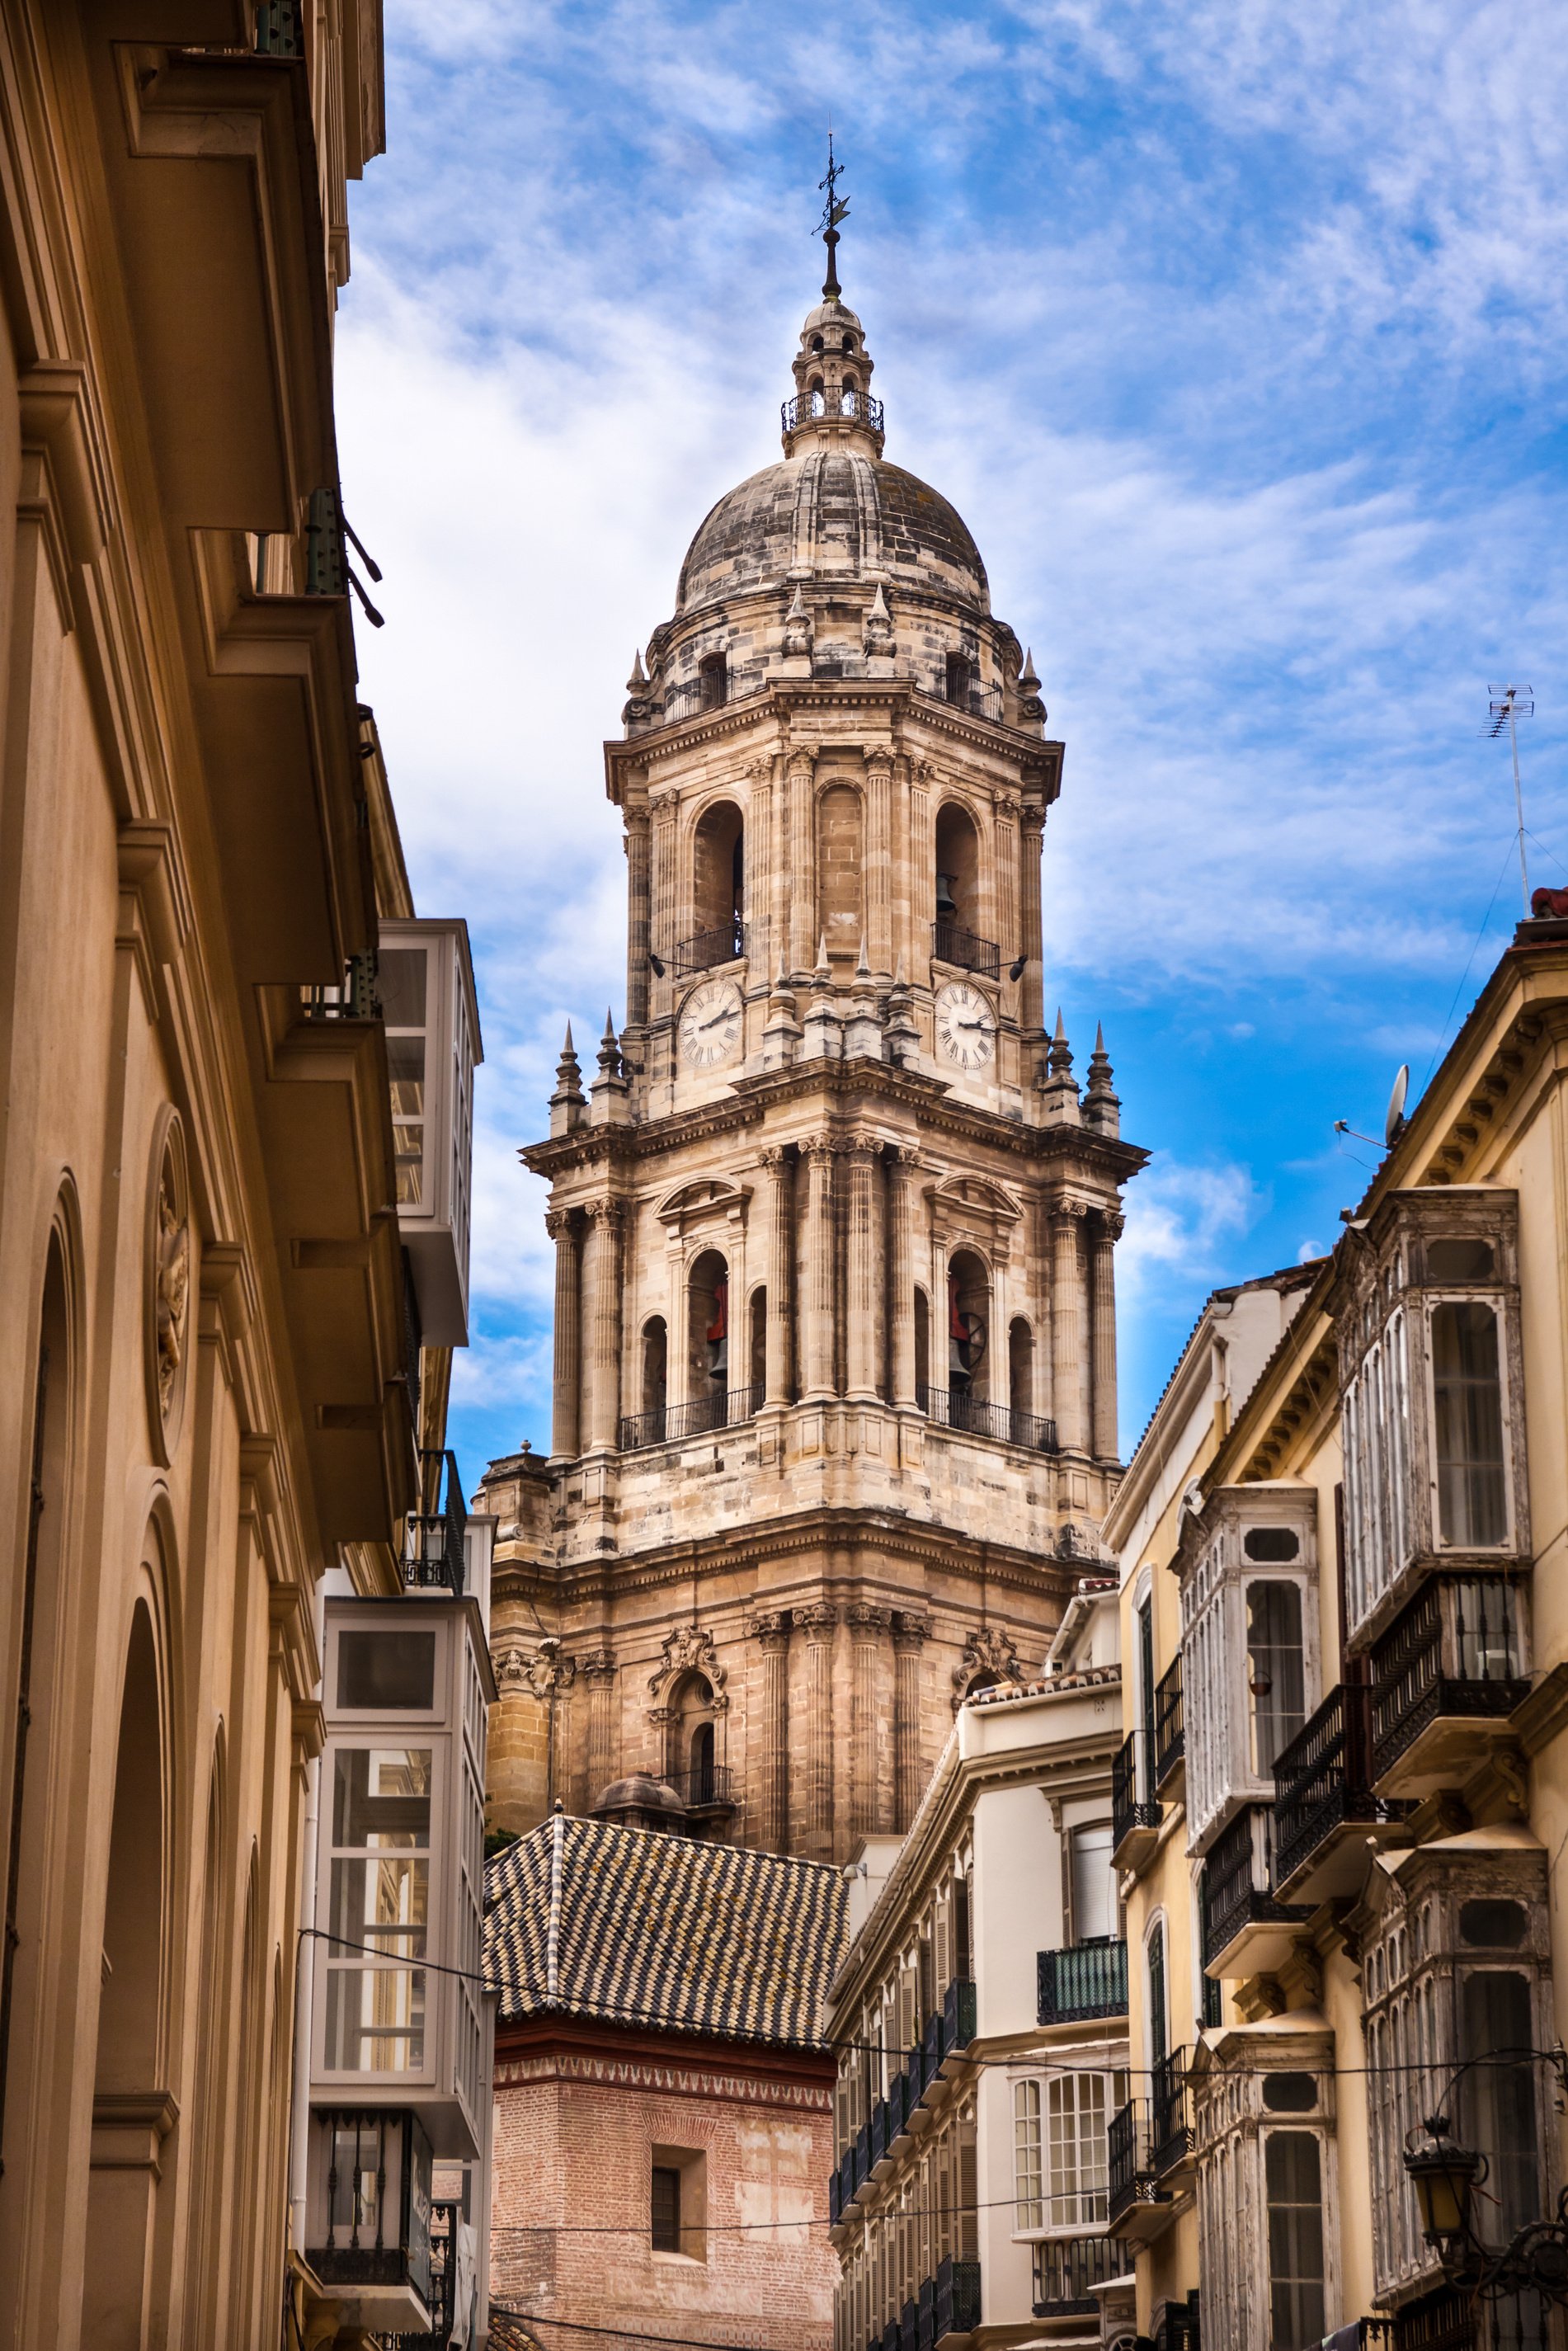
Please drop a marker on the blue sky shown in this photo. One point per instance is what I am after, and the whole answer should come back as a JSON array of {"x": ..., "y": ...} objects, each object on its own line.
[{"x": 1235, "y": 330}]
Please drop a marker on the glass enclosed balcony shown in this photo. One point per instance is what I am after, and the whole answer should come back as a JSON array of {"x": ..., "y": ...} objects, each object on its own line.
[{"x": 1447, "y": 1675}]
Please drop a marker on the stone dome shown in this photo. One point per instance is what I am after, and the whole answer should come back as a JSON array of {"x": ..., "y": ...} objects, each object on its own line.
[
  {"x": 639, "y": 1801},
  {"x": 826, "y": 510}
]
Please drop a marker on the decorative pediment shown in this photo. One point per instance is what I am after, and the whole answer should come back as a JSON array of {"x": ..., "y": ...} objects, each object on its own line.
[
  {"x": 989, "y": 1656},
  {"x": 709, "y": 1200},
  {"x": 688, "y": 1650},
  {"x": 974, "y": 1204}
]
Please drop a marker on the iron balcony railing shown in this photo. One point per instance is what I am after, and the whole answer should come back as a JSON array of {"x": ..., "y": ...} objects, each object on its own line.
[
  {"x": 1456, "y": 1650},
  {"x": 1170, "y": 1724},
  {"x": 1133, "y": 1801},
  {"x": 1323, "y": 1780},
  {"x": 959, "y": 2015},
  {"x": 445, "y": 2212},
  {"x": 956, "y": 2301},
  {"x": 726, "y": 942},
  {"x": 1067, "y": 2270},
  {"x": 1083, "y": 1980},
  {"x": 705, "y": 1785},
  {"x": 669, "y": 1423},
  {"x": 1170, "y": 2112},
  {"x": 950, "y": 944},
  {"x": 792, "y": 413},
  {"x": 433, "y": 1548},
  {"x": 1444, "y": 2321},
  {"x": 1130, "y": 2172},
  {"x": 953, "y": 1409},
  {"x": 1238, "y": 1882},
  {"x": 353, "y": 997}
]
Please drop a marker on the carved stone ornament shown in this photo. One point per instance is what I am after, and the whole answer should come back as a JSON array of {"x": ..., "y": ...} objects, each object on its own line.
[
  {"x": 690, "y": 1650},
  {"x": 986, "y": 1651},
  {"x": 911, "y": 1629},
  {"x": 867, "y": 1620},
  {"x": 598, "y": 1666},
  {"x": 770, "y": 1627},
  {"x": 168, "y": 1278},
  {"x": 532, "y": 1673}
]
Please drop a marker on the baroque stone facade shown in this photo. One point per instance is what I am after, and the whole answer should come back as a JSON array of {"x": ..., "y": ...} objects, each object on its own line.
[{"x": 835, "y": 1368}]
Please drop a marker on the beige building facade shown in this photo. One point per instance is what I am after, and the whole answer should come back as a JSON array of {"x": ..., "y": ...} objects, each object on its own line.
[
  {"x": 1338, "y": 1806},
  {"x": 835, "y": 1388},
  {"x": 217, "y": 1388}
]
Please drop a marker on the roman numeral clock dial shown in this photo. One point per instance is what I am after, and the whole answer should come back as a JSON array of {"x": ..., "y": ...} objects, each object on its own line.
[
  {"x": 709, "y": 1028},
  {"x": 966, "y": 1025}
]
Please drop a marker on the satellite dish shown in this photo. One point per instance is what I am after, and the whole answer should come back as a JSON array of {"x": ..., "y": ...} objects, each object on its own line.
[{"x": 1393, "y": 1124}]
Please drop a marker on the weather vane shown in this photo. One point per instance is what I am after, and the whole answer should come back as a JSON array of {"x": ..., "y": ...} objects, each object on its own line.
[{"x": 833, "y": 212}]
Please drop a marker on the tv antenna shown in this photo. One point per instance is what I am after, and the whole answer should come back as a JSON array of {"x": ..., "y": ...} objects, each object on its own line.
[{"x": 1510, "y": 703}]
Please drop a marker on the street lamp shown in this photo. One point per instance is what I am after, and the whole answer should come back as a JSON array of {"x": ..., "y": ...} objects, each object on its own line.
[
  {"x": 1443, "y": 2174},
  {"x": 1444, "y": 2177}
]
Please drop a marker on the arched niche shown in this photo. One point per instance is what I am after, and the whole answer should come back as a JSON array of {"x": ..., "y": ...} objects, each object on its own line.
[
  {"x": 655, "y": 1367},
  {"x": 708, "y": 1307},
  {"x": 719, "y": 881},
  {"x": 1020, "y": 1365},
  {"x": 691, "y": 1734},
  {"x": 957, "y": 883},
  {"x": 840, "y": 881},
  {"x": 968, "y": 1357}
]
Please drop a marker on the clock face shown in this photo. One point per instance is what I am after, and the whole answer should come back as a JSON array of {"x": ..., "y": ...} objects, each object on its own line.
[
  {"x": 710, "y": 1023},
  {"x": 966, "y": 1025}
]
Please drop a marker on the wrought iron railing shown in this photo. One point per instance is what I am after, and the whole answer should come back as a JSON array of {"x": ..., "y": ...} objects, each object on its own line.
[
  {"x": 959, "y": 2015},
  {"x": 705, "y": 950},
  {"x": 1170, "y": 1724},
  {"x": 951, "y": 944},
  {"x": 704, "y": 1784},
  {"x": 445, "y": 2212},
  {"x": 792, "y": 413},
  {"x": 433, "y": 1548},
  {"x": 353, "y": 997},
  {"x": 669, "y": 1423},
  {"x": 1083, "y": 1981},
  {"x": 1456, "y": 1649},
  {"x": 956, "y": 2300},
  {"x": 1444, "y": 2321},
  {"x": 1170, "y": 2111},
  {"x": 1133, "y": 1801},
  {"x": 1238, "y": 1882},
  {"x": 1323, "y": 1778},
  {"x": 1128, "y": 2172},
  {"x": 1067, "y": 2268},
  {"x": 954, "y": 1409}
]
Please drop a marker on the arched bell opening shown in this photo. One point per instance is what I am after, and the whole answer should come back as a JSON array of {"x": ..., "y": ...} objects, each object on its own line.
[
  {"x": 708, "y": 1294},
  {"x": 655, "y": 1365},
  {"x": 968, "y": 1327},
  {"x": 957, "y": 880},
  {"x": 718, "y": 888},
  {"x": 960, "y": 679},
  {"x": 713, "y": 681},
  {"x": 757, "y": 1370},
  {"x": 1020, "y": 1365}
]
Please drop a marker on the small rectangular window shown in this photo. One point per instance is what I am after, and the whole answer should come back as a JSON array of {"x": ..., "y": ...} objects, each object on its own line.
[
  {"x": 1292, "y": 2172},
  {"x": 386, "y": 1672},
  {"x": 1472, "y": 1506},
  {"x": 666, "y": 2209},
  {"x": 1500, "y": 2099}
]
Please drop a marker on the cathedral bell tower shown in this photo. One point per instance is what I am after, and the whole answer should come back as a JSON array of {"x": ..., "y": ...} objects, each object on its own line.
[{"x": 835, "y": 1350}]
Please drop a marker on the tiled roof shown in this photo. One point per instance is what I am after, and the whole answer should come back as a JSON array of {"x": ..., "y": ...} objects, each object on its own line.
[{"x": 588, "y": 1918}]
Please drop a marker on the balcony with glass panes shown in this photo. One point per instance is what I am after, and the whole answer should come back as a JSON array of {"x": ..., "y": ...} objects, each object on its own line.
[
  {"x": 1432, "y": 1419},
  {"x": 424, "y": 990}
]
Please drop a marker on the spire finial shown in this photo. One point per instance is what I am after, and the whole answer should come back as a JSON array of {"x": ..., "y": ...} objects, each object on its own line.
[{"x": 833, "y": 212}]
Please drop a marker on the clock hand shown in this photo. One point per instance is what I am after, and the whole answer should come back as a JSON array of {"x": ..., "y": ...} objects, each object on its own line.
[{"x": 727, "y": 1014}]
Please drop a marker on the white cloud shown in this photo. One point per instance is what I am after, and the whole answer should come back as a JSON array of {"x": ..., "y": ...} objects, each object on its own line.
[{"x": 1185, "y": 1223}]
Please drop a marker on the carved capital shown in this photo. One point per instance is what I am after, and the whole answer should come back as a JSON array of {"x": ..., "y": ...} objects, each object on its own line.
[
  {"x": 775, "y": 1158},
  {"x": 1070, "y": 1211},
  {"x": 561, "y": 1225},
  {"x": 800, "y": 767},
  {"x": 1112, "y": 1226},
  {"x": 608, "y": 1213},
  {"x": 817, "y": 1146},
  {"x": 860, "y": 1148},
  {"x": 597, "y": 1668},
  {"x": 818, "y": 1620},
  {"x": 770, "y": 1629},
  {"x": 867, "y": 1620},
  {"x": 879, "y": 764},
  {"x": 911, "y": 1628},
  {"x": 1006, "y": 804},
  {"x": 537, "y": 1673}
]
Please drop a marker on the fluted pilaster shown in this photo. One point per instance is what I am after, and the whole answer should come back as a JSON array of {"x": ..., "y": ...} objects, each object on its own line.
[
  {"x": 899, "y": 1161},
  {"x": 1031, "y": 1009},
  {"x": 879, "y": 862},
  {"x": 911, "y": 1631},
  {"x": 562, "y": 1228},
  {"x": 868, "y": 1628},
  {"x": 597, "y": 1670},
  {"x": 802, "y": 881},
  {"x": 771, "y": 1633},
  {"x": 861, "y": 1274},
  {"x": 818, "y": 1336},
  {"x": 638, "y": 914},
  {"x": 601, "y": 1284},
  {"x": 1104, "y": 1232},
  {"x": 1067, "y": 1323},
  {"x": 778, "y": 1371},
  {"x": 819, "y": 1622}
]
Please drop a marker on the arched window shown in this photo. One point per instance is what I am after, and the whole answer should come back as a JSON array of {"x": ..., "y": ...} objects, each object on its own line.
[
  {"x": 968, "y": 1327},
  {"x": 718, "y": 888},
  {"x": 708, "y": 1341},
  {"x": 957, "y": 880},
  {"x": 960, "y": 678},
  {"x": 655, "y": 1365},
  {"x": 819, "y": 405},
  {"x": 848, "y": 401},
  {"x": 1159, "y": 2024},
  {"x": 713, "y": 680},
  {"x": 1020, "y": 1365},
  {"x": 691, "y": 1740}
]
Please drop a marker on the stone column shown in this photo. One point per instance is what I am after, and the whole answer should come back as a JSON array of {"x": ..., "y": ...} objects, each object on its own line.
[
  {"x": 602, "y": 1286},
  {"x": 859, "y": 1275},
  {"x": 879, "y": 861},
  {"x": 868, "y": 1629},
  {"x": 1067, "y": 1324},
  {"x": 820, "y": 1622},
  {"x": 638, "y": 916},
  {"x": 1008, "y": 930},
  {"x": 562, "y": 1226},
  {"x": 1032, "y": 1008},
  {"x": 911, "y": 1631},
  {"x": 781, "y": 1272},
  {"x": 802, "y": 875},
  {"x": 1103, "y": 1233},
  {"x": 818, "y": 1336},
  {"x": 771, "y": 1633},
  {"x": 598, "y": 1670},
  {"x": 900, "y": 1163},
  {"x": 761, "y": 939}
]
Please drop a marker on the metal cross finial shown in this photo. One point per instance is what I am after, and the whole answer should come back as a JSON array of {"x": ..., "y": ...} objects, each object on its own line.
[{"x": 833, "y": 212}]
